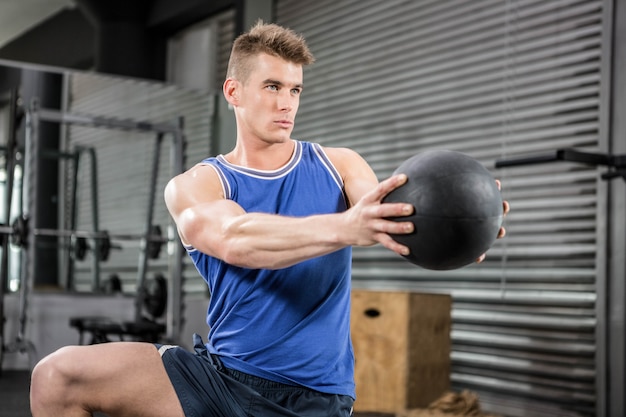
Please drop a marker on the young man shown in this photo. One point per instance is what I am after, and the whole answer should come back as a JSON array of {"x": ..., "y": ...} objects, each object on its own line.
[{"x": 269, "y": 227}]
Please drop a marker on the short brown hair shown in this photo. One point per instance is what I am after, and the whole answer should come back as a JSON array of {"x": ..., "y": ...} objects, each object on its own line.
[{"x": 266, "y": 38}]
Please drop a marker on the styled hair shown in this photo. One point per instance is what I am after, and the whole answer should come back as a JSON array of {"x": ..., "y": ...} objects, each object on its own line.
[{"x": 266, "y": 38}]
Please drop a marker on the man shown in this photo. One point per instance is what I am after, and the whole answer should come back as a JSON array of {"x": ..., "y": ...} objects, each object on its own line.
[{"x": 269, "y": 227}]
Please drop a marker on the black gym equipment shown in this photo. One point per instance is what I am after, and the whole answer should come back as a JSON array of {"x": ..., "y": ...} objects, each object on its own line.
[
  {"x": 616, "y": 163},
  {"x": 25, "y": 237},
  {"x": 19, "y": 231},
  {"x": 112, "y": 285},
  {"x": 146, "y": 329},
  {"x": 155, "y": 296},
  {"x": 10, "y": 162},
  {"x": 457, "y": 209}
]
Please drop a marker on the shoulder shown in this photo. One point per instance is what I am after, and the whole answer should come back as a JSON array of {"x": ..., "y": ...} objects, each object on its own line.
[
  {"x": 358, "y": 177},
  {"x": 201, "y": 181},
  {"x": 202, "y": 173},
  {"x": 345, "y": 160}
]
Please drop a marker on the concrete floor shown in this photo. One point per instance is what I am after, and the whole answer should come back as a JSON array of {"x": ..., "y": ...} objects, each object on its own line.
[
  {"x": 14, "y": 387},
  {"x": 14, "y": 394}
]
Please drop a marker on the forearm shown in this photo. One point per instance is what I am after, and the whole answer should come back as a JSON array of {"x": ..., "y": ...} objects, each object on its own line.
[
  {"x": 273, "y": 242},
  {"x": 258, "y": 240}
]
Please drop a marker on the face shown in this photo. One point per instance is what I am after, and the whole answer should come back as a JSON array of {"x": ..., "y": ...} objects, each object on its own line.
[{"x": 267, "y": 102}]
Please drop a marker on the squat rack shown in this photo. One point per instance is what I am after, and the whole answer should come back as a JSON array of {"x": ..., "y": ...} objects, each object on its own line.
[{"x": 34, "y": 116}]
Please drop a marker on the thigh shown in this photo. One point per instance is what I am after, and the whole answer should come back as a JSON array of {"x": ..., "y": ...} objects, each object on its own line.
[
  {"x": 119, "y": 379},
  {"x": 203, "y": 390}
]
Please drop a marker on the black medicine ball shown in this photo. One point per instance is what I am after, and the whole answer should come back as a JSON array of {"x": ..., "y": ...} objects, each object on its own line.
[{"x": 458, "y": 209}]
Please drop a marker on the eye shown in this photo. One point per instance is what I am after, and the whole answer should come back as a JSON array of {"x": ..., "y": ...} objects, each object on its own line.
[
  {"x": 272, "y": 87},
  {"x": 296, "y": 91}
]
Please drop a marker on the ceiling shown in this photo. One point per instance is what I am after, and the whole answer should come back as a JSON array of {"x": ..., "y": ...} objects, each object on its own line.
[{"x": 17, "y": 16}]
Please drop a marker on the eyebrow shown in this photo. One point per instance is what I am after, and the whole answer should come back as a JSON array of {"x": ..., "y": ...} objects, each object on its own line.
[{"x": 269, "y": 81}]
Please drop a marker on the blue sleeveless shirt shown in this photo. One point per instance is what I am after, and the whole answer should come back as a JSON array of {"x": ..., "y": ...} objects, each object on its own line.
[{"x": 289, "y": 325}]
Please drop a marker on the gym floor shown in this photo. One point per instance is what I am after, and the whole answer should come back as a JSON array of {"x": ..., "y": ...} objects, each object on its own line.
[{"x": 14, "y": 386}]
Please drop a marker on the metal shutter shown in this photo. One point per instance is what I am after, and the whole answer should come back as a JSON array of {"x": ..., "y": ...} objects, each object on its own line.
[
  {"x": 493, "y": 79},
  {"x": 225, "y": 35},
  {"x": 124, "y": 159}
]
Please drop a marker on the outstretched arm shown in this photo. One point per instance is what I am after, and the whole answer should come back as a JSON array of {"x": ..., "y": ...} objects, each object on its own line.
[{"x": 223, "y": 229}]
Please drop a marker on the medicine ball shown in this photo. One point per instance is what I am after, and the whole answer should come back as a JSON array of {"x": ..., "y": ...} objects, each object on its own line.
[{"x": 457, "y": 209}]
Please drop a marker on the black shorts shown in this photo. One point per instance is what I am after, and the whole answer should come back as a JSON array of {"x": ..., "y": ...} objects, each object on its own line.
[{"x": 206, "y": 388}]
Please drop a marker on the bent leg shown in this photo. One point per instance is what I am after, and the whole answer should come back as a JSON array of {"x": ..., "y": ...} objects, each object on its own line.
[{"x": 120, "y": 379}]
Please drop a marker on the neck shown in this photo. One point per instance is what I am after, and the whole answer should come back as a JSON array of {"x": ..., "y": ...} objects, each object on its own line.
[{"x": 262, "y": 156}]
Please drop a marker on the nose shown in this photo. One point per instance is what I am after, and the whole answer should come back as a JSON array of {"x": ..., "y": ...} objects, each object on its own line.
[{"x": 286, "y": 101}]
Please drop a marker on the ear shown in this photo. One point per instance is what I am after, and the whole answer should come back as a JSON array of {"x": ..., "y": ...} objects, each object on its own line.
[{"x": 231, "y": 91}]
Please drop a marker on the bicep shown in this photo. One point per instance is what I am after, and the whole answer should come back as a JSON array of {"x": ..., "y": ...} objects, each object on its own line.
[{"x": 196, "y": 202}]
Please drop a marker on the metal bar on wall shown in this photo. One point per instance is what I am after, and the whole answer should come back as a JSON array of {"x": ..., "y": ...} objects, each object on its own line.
[
  {"x": 175, "y": 284},
  {"x": 143, "y": 254},
  {"x": 612, "y": 350}
]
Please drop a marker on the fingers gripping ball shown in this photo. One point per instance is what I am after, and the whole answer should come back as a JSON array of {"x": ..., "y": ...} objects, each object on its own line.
[{"x": 458, "y": 209}]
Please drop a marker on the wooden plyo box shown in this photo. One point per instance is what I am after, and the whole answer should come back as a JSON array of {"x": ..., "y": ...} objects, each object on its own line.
[{"x": 402, "y": 348}]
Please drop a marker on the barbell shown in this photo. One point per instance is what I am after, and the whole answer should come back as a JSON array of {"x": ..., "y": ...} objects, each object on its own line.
[{"x": 19, "y": 230}]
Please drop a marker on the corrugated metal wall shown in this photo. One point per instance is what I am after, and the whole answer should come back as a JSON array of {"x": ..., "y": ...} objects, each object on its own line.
[
  {"x": 493, "y": 79},
  {"x": 124, "y": 160}
]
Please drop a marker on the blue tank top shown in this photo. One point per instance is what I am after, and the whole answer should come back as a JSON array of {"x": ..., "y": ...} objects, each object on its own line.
[{"x": 289, "y": 325}]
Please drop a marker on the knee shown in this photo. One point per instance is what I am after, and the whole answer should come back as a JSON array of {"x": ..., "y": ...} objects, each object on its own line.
[
  {"x": 51, "y": 378},
  {"x": 54, "y": 369}
]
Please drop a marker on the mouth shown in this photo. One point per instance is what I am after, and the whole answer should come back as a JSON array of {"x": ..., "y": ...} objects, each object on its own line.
[{"x": 284, "y": 124}]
